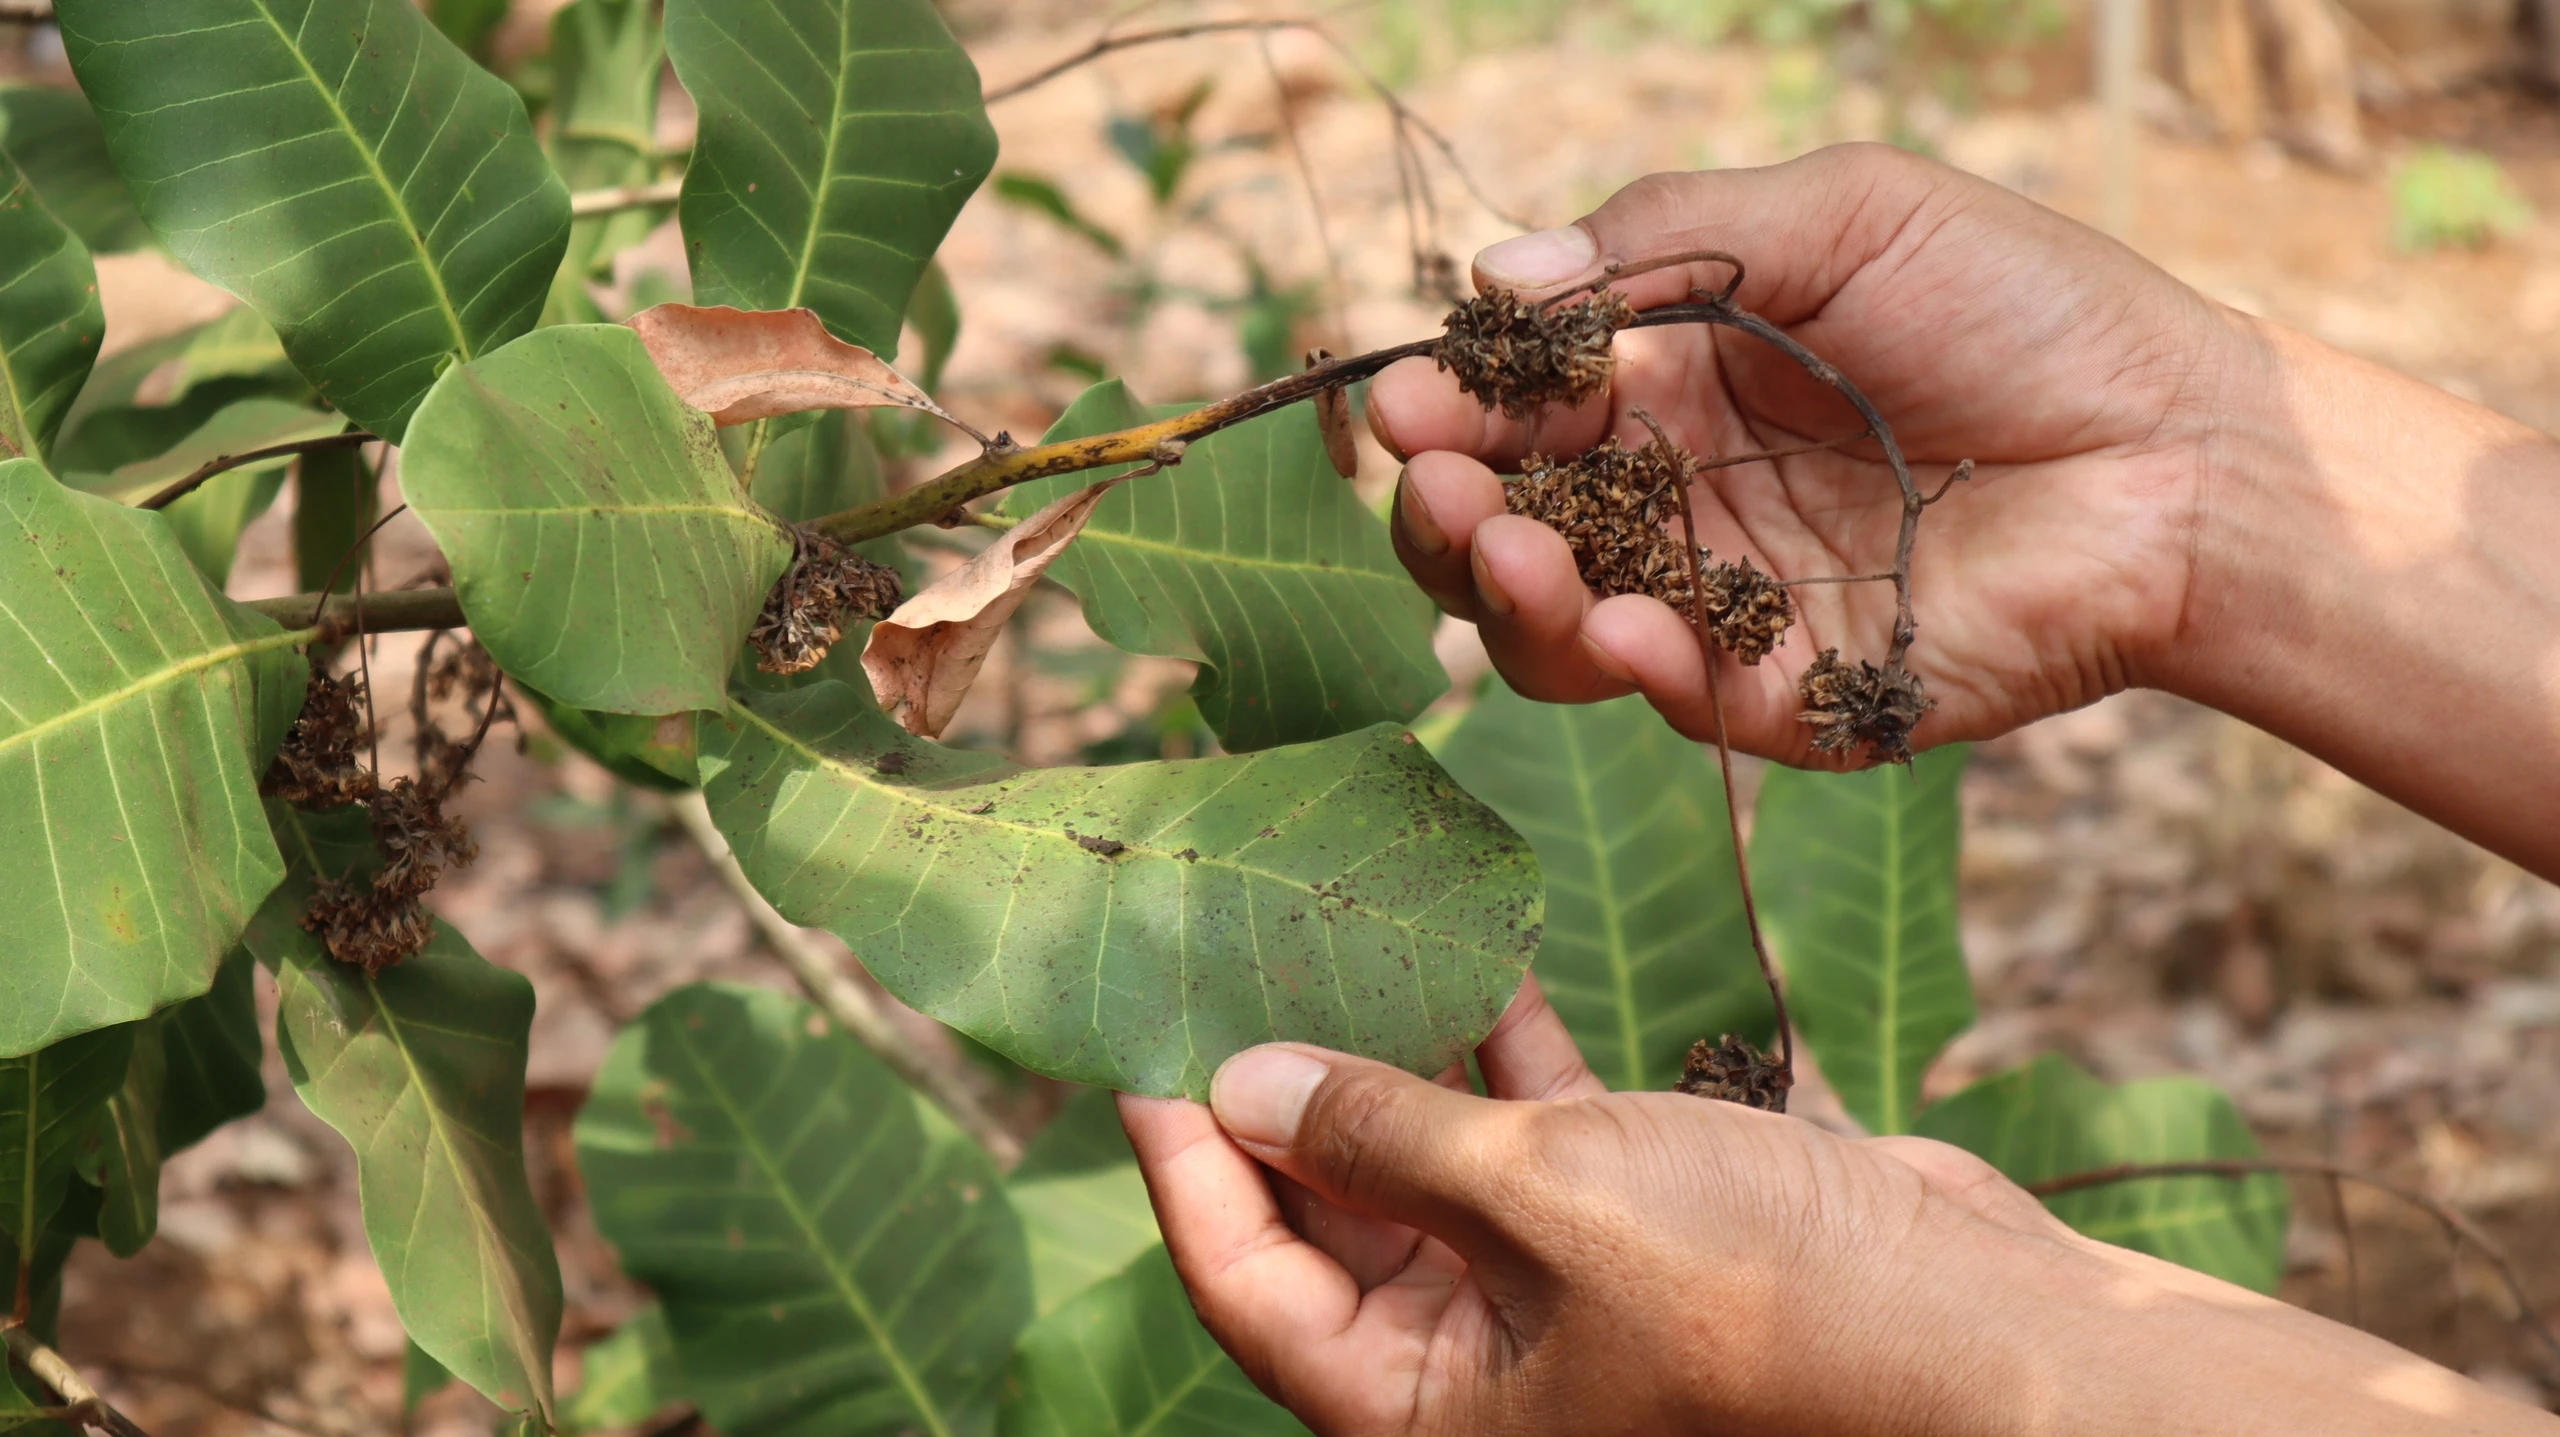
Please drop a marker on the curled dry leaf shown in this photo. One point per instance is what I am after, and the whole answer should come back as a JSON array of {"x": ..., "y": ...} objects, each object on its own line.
[
  {"x": 923, "y": 657},
  {"x": 740, "y": 365},
  {"x": 1333, "y": 420}
]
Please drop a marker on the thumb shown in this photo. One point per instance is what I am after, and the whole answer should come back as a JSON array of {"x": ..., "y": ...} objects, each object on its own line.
[{"x": 1374, "y": 1139}]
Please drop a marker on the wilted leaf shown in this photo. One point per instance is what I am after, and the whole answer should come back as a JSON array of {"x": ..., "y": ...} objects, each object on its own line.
[
  {"x": 53, "y": 138},
  {"x": 1254, "y": 558},
  {"x": 1082, "y": 1227},
  {"x": 50, "y": 1101},
  {"x": 1133, "y": 926},
  {"x": 829, "y": 1263},
  {"x": 739, "y": 367},
  {"x": 1129, "y": 1357},
  {"x": 208, "y": 521},
  {"x": 839, "y": 138},
  {"x": 2049, "y": 1119},
  {"x": 50, "y": 322},
  {"x": 603, "y": 549},
  {"x": 1857, "y": 884},
  {"x": 340, "y": 166},
  {"x": 137, "y": 708},
  {"x": 421, "y": 1069},
  {"x": 1645, "y": 950},
  {"x": 922, "y": 658}
]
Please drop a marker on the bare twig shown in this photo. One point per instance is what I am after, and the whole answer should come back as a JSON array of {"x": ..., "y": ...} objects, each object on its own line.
[
  {"x": 2458, "y": 1228},
  {"x": 330, "y": 616},
  {"x": 1708, "y": 657},
  {"x": 1790, "y": 452},
  {"x": 1109, "y": 44},
  {"x": 587, "y": 204},
  {"x": 848, "y": 1002},
  {"x": 81, "y": 1402},
  {"x": 354, "y": 550},
  {"x": 224, "y": 463}
]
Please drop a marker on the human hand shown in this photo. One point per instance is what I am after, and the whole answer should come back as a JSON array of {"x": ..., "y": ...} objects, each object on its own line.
[
  {"x": 1421, "y": 1261},
  {"x": 2085, "y": 382}
]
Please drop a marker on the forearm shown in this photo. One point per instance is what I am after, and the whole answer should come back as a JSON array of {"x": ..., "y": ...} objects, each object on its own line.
[{"x": 2378, "y": 582}]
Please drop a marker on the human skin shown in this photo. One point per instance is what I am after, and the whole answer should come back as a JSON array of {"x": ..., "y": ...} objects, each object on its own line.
[{"x": 2169, "y": 494}]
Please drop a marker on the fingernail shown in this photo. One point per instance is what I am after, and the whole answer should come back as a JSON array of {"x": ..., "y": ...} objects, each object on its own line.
[
  {"x": 1487, "y": 590},
  {"x": 1420, "y": 529},
  {"x": 1260, "y": 1093},
  {"x": 1534, "y": 261},
  {"x": 1606, "y": 662}
]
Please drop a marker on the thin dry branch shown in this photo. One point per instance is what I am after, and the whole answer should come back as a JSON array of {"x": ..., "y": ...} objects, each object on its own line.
[
  {"x": 1110, "y": 44},
  {"x": 81, "y": 1402},
  {"x": 2458, "y": 1228},
  {"x": 587, "y": 204},
  {"x": 224, "y": 463},
  {"x": 847, "y": 1002}
]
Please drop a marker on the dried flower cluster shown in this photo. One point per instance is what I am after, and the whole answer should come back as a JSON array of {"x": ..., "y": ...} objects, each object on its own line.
[
  {"x": 1614, "y": 506},
  {"x": 806, "y": 613},
  {"x": 317, "y": 768},
  {"x": 380, "y": 924},
  {"x": 1515, "y": 353},
  {"x": 469, "y": 671},
  {"x": 1848, "y": 704},
  {"x": 1734, "y": 1071}
]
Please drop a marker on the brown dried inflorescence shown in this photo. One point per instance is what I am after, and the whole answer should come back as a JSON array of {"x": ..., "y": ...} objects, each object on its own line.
[
  {"x": 1850, "y": 704},
  {"x": 1734, "y": 1071},
  {"x": 1749, "y": 611},
  {"x": 806, "y": 613},
  {"x": 317, "y": 768},
  {"x": 384, "y": 922},
  {"x": 467, "y": 670},
  {"x": 1515, "y": 353}
]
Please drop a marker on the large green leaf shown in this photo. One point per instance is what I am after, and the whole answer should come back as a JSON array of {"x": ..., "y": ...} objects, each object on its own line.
[
  {"x": 339, "y": 165},
  {"x": 1084, "y": 1136},
  {"x": 1254, "y": 558},
  {"x": 829, "y": 1262},
  {"x": 1082, "y": 1228},
  {"x": 605, "y": 60},
  {"x": 2050, "y": 1119},
  {"x": 1133, "y": 926},
  {"x": 137, "y": 708},
  {"x": 1857, "y": 882},
  {"x": 839, "y": 139},
  {"x": 128, "y": 1144},
  {"x": 335, "y": 496},
  {"x": 53, "y": 138},
  {"x": 50, "y": 1102},
  {"x": 628, "y": 1376},
  {"x": 50, "y": 320},
  {"x": 238, "y": 345},
  {"x": 1645, "y": 950},
  {"x": 468, "y": 23},
  {"x": 421, "y": 1069},
  {"x": 213, "y": 1046},
  {"x": 1128, "y": 1358},
  {"x": 208, "y": 522},
  {"x": 604, "y": 551}
]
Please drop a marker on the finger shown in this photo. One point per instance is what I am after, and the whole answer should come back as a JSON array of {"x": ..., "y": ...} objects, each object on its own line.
[
  {"x": 1376, "y": 1140},
  {"x": 1972, "y": 1183},
  {"x": 1371, "y": 1249},
  {"x": 1415, "y": 407},
  {"x": 1440, "y": 501},
  {"x": 1529, "y": 1057},
  {"x": 1530, "y": 602},
  {"x": 1638, "y": 640}
]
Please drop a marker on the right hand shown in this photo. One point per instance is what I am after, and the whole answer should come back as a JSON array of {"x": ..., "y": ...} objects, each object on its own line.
[{"x": 2088, "y": 385}]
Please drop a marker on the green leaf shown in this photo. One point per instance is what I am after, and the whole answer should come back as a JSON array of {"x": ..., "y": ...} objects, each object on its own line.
[
  {"x": 421, "y": 1377},
  {"x": 208, "y": 522},
  {"x": 340, "y": 166},
  {"x": 839, "y": 139},
  {"x": 1645, "y": 950},
  {"x": 1085, "y": 1135},
  {"x": 137, "y": 708},
  {"x": 606, "y": 56},
  {"x": 829, "y": 1263},
  {"x": 603, "y": 549},
  {"x": 1857, "y": 884},
  {"x": 128, "y": 1137},
  {"x": 1254, "y": 558},
  {"x": 1133, "y": 926},
  {"x": 53, "y": 138},
  {"x": 2050, "y": 1119},
  {"x": 50, "y": 1102},
  {"x": 629, "y": 1376},
  {"x": 1081, "y": 1228},
  {"x": 335, "y": 495},
  {"x": 213, "y": 1050},
  {"x": 933, "y": 311},
  {"x": 421, "y": 1069},
  {"x": 468, "y": 23},
  {"x": 1041, "y": 195},
  {"x": 1129, "y": 1357},
  {"x": 659, "y": 751},
  {"x": 50, "y": 320}
]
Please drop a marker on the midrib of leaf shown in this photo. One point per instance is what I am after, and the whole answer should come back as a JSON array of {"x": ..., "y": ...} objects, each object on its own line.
[
  {"x": 846, "y": 1287},
  {"x": 1116, "y": 538},
  {"x": 1165, "y": 1406},
  {"x": 156, "y": 679},
  {"x": 1889, "y": 1081},
  {"x": 381, "y": 177},
  {"x": 907, "y": 796},
  {"x": 1621, "y": 976},
  {"x": 826, "y": 161}
]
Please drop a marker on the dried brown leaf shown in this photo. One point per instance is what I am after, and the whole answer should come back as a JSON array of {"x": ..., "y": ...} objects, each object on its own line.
[
  {"x": 922, "y": 658},
  {"x": 743, "y": 365}
]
